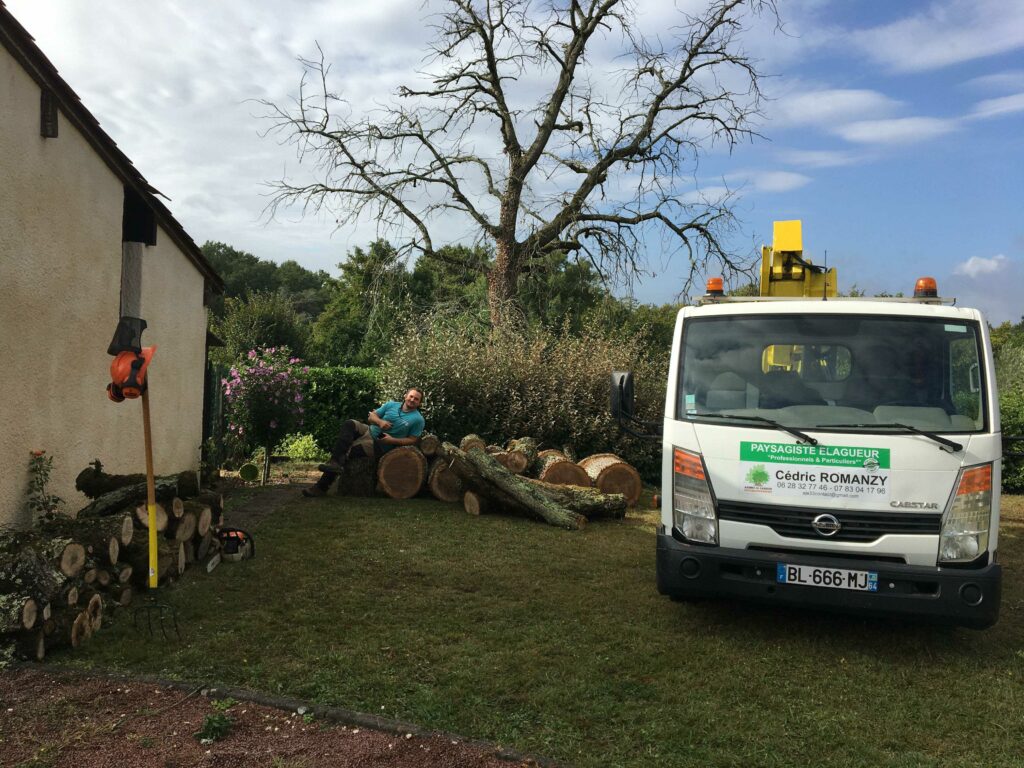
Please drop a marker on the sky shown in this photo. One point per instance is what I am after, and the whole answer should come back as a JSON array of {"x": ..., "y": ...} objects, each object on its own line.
[{"x": 894, "y": 131}]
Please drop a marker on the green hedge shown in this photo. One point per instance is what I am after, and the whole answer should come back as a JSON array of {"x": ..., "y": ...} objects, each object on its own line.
[
  {"x": 551, "y": 386},
  {"x": 334, "y": 394},
  {"x": 1011, "y": 412}
]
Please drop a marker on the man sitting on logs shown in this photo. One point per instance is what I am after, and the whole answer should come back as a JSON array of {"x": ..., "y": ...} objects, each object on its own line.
[{"x": 391, "y": 425}]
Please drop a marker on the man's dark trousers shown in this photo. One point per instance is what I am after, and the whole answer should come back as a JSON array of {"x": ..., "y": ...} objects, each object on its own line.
[{"x": 354, "y": 439}]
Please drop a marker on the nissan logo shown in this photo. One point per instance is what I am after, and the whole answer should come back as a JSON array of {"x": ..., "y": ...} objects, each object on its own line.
[{"x": 826, "y": 525}]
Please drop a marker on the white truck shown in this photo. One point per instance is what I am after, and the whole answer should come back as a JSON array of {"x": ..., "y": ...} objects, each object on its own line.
[{"x": 831, "y": 453}]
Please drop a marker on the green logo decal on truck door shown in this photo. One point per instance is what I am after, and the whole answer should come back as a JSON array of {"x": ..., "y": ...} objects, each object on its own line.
[{"x": 815, "y": 471}]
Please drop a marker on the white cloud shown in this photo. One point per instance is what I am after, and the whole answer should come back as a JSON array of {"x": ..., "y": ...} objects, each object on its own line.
[
  {"x": 824, "y": 106},
  {"x": 902, "y": 130},
  {"x": 1004, "y": 105},
  {"x": 946, "y": 32},
  {"x": 778, "y": 181},
  {"x": 978, "y": 265},
  {"x": 1010, "y": 80},
  {"x": 818, "y": 158}
]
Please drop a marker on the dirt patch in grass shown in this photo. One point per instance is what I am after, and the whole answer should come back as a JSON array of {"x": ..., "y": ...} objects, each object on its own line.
[{"x": 90, "y": 722}]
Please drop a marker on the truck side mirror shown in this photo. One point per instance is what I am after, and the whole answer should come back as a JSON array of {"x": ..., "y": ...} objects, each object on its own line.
[{"x": 623, "y": 400}]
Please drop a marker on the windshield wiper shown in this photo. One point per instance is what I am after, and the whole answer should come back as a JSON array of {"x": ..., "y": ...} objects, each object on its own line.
[
  {"x": 803, "y": 436},
  {"x": 953, "y": 446}
]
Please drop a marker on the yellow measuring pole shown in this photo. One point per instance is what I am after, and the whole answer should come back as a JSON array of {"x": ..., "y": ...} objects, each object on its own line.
[{"x": 150, "y": 490}]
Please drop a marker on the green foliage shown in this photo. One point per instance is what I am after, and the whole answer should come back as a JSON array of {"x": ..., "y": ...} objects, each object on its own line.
[
  {"x": 258, "y": 320},
  {"x": 299, "y": 447},
  {"x": 223, "y": 705},
  {"x": 215, "y": 727},
  {"x": 40, "y": 466},
  {"x": 369, "y": 303},
  {"x": 549, "y": 385},
  {"x": 245, "y": 274},
  {"x": 264, "y": 396},
  {"x": 1011, "y": 409},
  {"x": 334, "y": 394}
]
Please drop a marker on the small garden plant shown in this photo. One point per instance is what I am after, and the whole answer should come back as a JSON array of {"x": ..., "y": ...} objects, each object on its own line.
[{"x": 40, "y": 466}]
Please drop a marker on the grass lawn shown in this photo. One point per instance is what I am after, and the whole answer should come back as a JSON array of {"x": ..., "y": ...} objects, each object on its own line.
[{"x": 557, "y": 643}]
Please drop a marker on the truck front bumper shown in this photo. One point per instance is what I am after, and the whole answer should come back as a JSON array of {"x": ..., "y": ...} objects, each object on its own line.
[{"x": 964, "y": 597}]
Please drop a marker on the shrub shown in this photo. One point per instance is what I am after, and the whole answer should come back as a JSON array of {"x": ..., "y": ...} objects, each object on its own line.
[
  {"x": 553, "y": 386},
  {"x": 301, "y": 448},
  {"x": 264, "y": 396},
  {"x": 1011, "y": 409},
  {"x": 336, "y": 393}
]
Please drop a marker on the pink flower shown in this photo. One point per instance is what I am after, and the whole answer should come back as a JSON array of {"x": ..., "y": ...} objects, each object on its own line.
[{"x": 252, "y": 353}]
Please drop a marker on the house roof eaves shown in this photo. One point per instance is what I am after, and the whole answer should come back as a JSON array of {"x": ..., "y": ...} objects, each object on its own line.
[{"x": 22, "y": 46}]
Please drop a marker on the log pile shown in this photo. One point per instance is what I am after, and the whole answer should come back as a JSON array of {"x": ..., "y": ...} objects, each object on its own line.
[
  {"x": 517, "y": 478},
  {"x": 58, "y": 579}
]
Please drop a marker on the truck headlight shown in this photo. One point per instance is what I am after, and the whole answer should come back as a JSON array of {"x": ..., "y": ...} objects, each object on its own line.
[
  {"x": 693, "y": 509},
  {"x": 966, "y": 522}
]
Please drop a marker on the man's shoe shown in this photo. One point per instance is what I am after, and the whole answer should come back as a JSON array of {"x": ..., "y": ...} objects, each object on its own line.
[
  {"x": 314, "y": 492},
  {"x": 332, "y": 466}
]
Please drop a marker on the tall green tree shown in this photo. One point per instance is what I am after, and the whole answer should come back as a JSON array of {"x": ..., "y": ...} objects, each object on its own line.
[{"x": 262, "y": 319}]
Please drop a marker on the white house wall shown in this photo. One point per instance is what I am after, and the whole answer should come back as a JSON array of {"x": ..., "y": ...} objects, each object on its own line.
[{"x": 60, "y": 270}]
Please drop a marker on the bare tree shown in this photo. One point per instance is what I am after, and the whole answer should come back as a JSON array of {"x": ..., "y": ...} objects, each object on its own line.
[{"x": 535, "y": 135}]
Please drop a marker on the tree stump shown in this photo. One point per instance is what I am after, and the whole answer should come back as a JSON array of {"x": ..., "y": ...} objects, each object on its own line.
[
  {"x": 401, "y": 472},
  {"x": 613, "y": 475},
  {"x": 430, "y": 445}
]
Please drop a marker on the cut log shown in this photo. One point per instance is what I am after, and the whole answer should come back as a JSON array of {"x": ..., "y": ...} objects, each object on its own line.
[
  {"x": 474, "y": 503},
  {"x": 515, "y": 463},
  {"x": 472, "y": 441},
  {"x": 493, "y": 449},
  {"x": 444, "y": 484},
  {"x": 68, "y": 595},
  {"x": 402, "y": 471},
  {"x": 429, "y": 445},
  {"x": 31, "y": 645},
  {"x": 100, "y": 537},
  {"x": 142, "y": 516},
  {"x": 480, "y": 471},
  {"x": 95, "y": 483},
  {"x": 121, "y": 594},
  {"x": 215, "y": 501},
  {"x": 558, "y": 470},
  {"x": 203, "y": 545},
  {"x": 17, "y": 612},
  {"x": 124, "y": 574},
  {"x": 177, "y": 507},
  {"x": 170, "y": 561},
  {"x": 589, "y": 502},
  {"x": 127, "y": 497},
  {"x": 127, "y": 530},
  {"x": 550, "y": 452},
  {"x": 613, "y": 475},
  {"x": 527, "y": 448},
  {"x": 103, "y": 578},
  {"x": 203, "y": 514},
  {"x": 183, "y": 529},
  {"x": 30, "y": 573},
  {"x": 70, "y": 557},
  {"x": 94, "y": 611}
]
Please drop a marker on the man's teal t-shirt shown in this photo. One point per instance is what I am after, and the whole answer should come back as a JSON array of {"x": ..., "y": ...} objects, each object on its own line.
[{"x": 403, "y": 424}]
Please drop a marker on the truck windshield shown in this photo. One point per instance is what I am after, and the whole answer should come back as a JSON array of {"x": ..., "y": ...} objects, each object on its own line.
[{"x": 819, "y": 370}]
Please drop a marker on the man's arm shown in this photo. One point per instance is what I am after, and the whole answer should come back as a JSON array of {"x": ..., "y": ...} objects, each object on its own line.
[{"x": 374, "y": 418}]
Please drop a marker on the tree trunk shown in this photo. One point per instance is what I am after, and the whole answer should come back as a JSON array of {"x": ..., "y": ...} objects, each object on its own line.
[
  {"x": 589, "y": 502},
  {"x": 444, "y": 484},
  {"x": 101, "y": 537},
  {"x": 94, "y": 482},
  {"x": 359, "y": 478},
  {"x": 480, "y": 471},
  {"x": 613, "y": 475},
  {"x": 401, "y": 472},
  {"x": 183, "y": 529},
  {"x": 215, "y": 501},
  {"x": 128, "y": 496}
]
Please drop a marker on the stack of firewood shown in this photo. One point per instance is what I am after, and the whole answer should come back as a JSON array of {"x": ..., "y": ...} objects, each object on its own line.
[
  {"x": 517, "y": 478},
  {"x": 59, "y": 578}
]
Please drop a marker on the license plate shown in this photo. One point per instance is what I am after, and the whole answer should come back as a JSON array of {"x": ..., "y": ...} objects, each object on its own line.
[{"x": 835, "y": 578}]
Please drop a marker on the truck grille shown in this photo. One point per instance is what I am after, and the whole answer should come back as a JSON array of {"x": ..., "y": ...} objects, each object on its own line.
[{"x": 795, "y": 522}]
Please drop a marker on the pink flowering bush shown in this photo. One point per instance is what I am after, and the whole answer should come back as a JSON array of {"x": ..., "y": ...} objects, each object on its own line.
[{"x": 264, "y": 396}]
